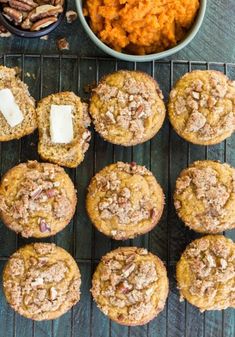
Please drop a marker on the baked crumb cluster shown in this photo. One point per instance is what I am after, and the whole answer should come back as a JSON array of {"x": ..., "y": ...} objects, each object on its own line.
[
  {"x": 38, "y": 281},
  {"x": 211, "y": 263},
  {"x": 210, "y": 186},
  {"x": 37, "y": 191},
  {"x": 125, "y": 284},
  {"x": 130, "y": 105},
  {"x": 117, "y": 201},
  {"x": 205, "y": 103},
  {"x": 123, "y": 196}
]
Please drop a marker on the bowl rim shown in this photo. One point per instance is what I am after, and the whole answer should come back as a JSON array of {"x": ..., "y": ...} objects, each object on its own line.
[
  {"x": 150, "y": 57},
  {"x": 27, "y": 33}
]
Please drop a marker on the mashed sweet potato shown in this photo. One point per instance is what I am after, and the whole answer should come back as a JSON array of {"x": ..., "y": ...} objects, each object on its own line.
[{"x": 141, "y": 26}]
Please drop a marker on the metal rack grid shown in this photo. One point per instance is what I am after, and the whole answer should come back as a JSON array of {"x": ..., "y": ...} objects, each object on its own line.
[{"x": 166, "y": 154}]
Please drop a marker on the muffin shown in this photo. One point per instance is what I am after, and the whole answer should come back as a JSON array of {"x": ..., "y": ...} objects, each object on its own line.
[
  {"x": 124, "y": 200},
  {"x": 17, "y": 107},
  {"x": 202, "y": 107},
  {"x": 127, "y": 107},
  {"x": 204, "y": 197},
  {"x": 130, "y": 286},
  {"x": 206, "y": 273},
  {"x": 41, "y": 281},
  {"x": 37, "y": 199},
  {"x": 63, "y": 122}
]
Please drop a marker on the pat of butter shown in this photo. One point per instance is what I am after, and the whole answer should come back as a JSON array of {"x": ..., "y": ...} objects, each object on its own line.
[
  {"x": 61, "y": 124},
  {"x": 9, "y": 108}
]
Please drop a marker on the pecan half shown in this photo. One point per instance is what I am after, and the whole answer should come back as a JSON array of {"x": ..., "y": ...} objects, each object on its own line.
[
  {"x": 22, "y": 5},
  {"x": 13, "y": 14},
  {"x": 44, "y": 11},
  {"x": 43, "y": 23}
]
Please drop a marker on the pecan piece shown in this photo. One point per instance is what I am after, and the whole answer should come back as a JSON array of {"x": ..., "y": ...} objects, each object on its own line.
[
  {"x": 57, "y": 2},
  {"x": 43, "y": 23},
  {"x": 44, "y": 227},
  {"x": 4, "y": 32},
  {"x": 44, "y": 11},
  {"x": 26, "y": 24},
  {"x": 53, "y": 293},
  {"x": 62, "y": 44},
  {"x": 71, "y": 16},
  {"x": 51, "y": 193},
  {"x": 23, "y": 5},
  {"x": 13, "y": 14}
]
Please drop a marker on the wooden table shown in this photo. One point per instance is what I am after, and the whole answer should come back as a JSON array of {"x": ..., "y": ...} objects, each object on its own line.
[{"x": 166, "y": 155}]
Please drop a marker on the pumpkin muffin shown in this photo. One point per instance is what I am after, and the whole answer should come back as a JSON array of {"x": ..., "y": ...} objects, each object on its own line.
[
  {"x": 21, "y": 120},
  {"x": 127, "y": 107},
  {"x": 37, "y": 199},
  {"x": 204, "y": 197},
  {"x": 130, "y": 286},
  {"x": 72, "y": 152},
  {"x": 41, "y": 281},
  {"x": 202, "y": 107},
  {"x": 206, "y": 273},
  {"x": 124, "y": 200}
]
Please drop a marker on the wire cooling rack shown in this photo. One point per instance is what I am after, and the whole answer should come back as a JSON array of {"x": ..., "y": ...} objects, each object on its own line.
[{"x": 166, "y": 155}]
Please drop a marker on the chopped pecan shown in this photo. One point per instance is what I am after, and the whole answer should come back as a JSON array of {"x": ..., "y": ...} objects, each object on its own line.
[
  {"x": 71, "y": 16},
  {"x": 62, "y": 44},
  {"x": 44, "y": 227}
]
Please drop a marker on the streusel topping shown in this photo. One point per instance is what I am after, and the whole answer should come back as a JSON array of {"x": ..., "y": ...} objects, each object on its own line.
[
  {"x": 210, "y": 262},
  {"x": 127, "y": 104},
  {"x": 40, "y": 280},
  {"x": 123, "y": 197},
  {"x": 125, "y": 284},
  {"x": 39, "y": 195},
  {"x": 202, "y": 106},
  {"x": 205, "y": 196}
]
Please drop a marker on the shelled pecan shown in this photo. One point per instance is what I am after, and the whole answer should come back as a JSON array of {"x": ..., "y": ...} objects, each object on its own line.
[{"x": 32, "y": 14}]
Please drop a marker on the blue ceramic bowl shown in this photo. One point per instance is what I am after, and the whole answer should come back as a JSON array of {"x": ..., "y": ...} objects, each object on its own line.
[{"x": 144, "y": 58}]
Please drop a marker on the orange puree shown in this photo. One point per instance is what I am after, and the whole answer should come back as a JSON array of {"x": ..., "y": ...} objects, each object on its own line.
[{"x": 141, "y": 26}]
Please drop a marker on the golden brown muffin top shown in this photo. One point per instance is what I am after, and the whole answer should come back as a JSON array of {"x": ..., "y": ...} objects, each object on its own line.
[
  {"x": 36, "y": 199},
  {"x": 41, "y": 281},
  {"x": 206, "y": 273},
  {"x": 202, "y": 107},
  {"x": 130, "y": 285},
  {"x": 205, "y": 196},
  {"x": 124, "y": 200},
  {"x": 127, "y": 107}
]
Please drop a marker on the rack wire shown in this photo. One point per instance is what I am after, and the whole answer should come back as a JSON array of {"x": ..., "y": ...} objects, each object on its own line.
[{"x": 166, "y": 155}]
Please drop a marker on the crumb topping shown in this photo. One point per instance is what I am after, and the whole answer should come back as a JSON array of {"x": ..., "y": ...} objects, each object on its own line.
[
  {"x": 38, "y": 192},
  {"x": 127, "y": 279},
  {"x": 210, "y": 263},
  {"x": 204, "y": 185},
  {"x": 207, "y": 106},
  {"x": 38, "y": 282},
  {"x": 128, "y": 107},
  {"x": 124, "y": 194}
]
